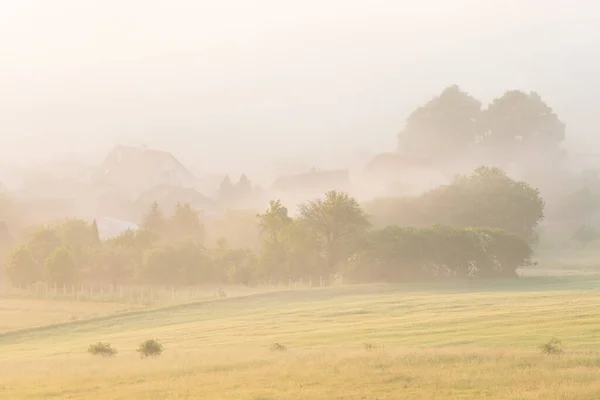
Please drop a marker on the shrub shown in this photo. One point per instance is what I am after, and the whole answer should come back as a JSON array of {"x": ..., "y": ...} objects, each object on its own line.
[
  {"x": 277, "y": 347},
  {"x": 150, "y": 348},
  {"x": 102, "y": 349},
  {"x": 554, "y": 346},
  {"x": 369, "y": 346}
]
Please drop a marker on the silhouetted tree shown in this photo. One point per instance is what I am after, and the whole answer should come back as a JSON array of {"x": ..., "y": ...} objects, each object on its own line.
[
  {"x": 60, "y": 267},
  {"x": 338, "y": 222},
  {"x": 154, "y": 219},
  {"x": 443, "y": 128}
]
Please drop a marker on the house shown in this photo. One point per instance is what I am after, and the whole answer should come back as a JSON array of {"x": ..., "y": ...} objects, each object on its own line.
[
  {"x": 390, "y": 174},
  {"x": 310, "y": 185},
  {"x": 138, "y": 169}
]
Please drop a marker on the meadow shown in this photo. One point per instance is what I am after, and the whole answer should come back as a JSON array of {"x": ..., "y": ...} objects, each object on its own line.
[{"x": 454, "y": 340}]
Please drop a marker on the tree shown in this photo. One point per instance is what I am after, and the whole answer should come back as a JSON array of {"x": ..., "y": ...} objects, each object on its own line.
[
  {"x": 398, "y": 253},
  {"x": 154, "y": 219},
  {"x": 518, "y": 126},
  {"x": 488, "y": 197},
  {"x": 80, "y": 236},
  {"x": 185, "y": 224},
  {"x": 95, "y": 232},
  {"x": 338, "y": 223},
  {"x": 226, "y": 192},
  {"x": 42, "y": 242},
  {"x": 21, "y": 268},
  {"x": 114, "y": 263},
  {"x": 275, "y": 221},
  {"x": 443, "y": 127},
  {"x": 60, "y": 267}
]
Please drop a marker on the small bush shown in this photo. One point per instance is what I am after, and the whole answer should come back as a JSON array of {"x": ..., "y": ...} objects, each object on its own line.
[
  {"x": 150, "y": 348},
  {"x": 102, "y": 349},
  {"x": 369, "y": 346},
  {"x": 277, "y": 347},
  {"x": 554, "y": 346},
  {"x": 221, "y": 293}
]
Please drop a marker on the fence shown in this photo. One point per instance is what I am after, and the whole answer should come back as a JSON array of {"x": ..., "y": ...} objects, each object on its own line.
[{"x": 147, "y": 294}]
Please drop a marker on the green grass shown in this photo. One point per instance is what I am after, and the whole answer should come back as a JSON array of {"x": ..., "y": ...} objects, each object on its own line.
[{"x": 473, "y": 340}]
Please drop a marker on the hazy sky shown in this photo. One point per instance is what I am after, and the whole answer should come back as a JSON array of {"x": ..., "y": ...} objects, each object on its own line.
[{"x": 231, "y": 84}]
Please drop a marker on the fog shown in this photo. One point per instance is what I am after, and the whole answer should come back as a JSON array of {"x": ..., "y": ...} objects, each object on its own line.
[{"x": 250, "y": 86}]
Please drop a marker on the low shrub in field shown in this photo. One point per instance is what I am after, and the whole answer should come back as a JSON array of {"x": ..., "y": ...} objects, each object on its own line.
[
  {"x": 150, "y": 348},
  {"x": 277, "y": 347},
  {"x": 102, "y": 349},
  {"x": 554, "y": 346},
  {"x": 369, "y": 346}
]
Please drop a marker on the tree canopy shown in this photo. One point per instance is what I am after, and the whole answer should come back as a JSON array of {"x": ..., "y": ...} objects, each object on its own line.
[{"x": 516, "y": 127}]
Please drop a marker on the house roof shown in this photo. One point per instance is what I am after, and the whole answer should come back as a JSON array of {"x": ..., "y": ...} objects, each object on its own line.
[
  {"x": 140, "y": 166},
  {"x": 397, "y": 161},
  {"x": 314, "y": 179}
]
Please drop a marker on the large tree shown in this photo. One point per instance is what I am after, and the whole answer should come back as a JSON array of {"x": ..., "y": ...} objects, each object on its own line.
[
  {"x": 486, "y": 198},
  {"x": 442, "y": 128},
  {"x": 60, "y": 267},
  {"x": 338, "y": 223},
  {"x": 21, "y": 267},
  {"x": 518, "y": 126}
]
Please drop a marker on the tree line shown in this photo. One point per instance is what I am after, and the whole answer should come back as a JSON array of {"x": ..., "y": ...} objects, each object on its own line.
[{"x": 479, "y": 226}]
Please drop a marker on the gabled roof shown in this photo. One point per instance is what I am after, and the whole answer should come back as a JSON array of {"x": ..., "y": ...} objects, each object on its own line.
[
  {"x": 314, "y": 179},
  {"x": 141, "y": 166}
]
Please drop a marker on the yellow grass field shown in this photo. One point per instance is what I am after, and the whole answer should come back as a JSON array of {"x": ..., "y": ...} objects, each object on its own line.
[{"x": 446, "y": 341}]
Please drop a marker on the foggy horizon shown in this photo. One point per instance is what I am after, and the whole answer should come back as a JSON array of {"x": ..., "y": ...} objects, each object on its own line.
[{"x": 232, "y": 87}]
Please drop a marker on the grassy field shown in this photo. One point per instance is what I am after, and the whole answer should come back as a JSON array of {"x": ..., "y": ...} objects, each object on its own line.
[{"x": 447, "y": 341}]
